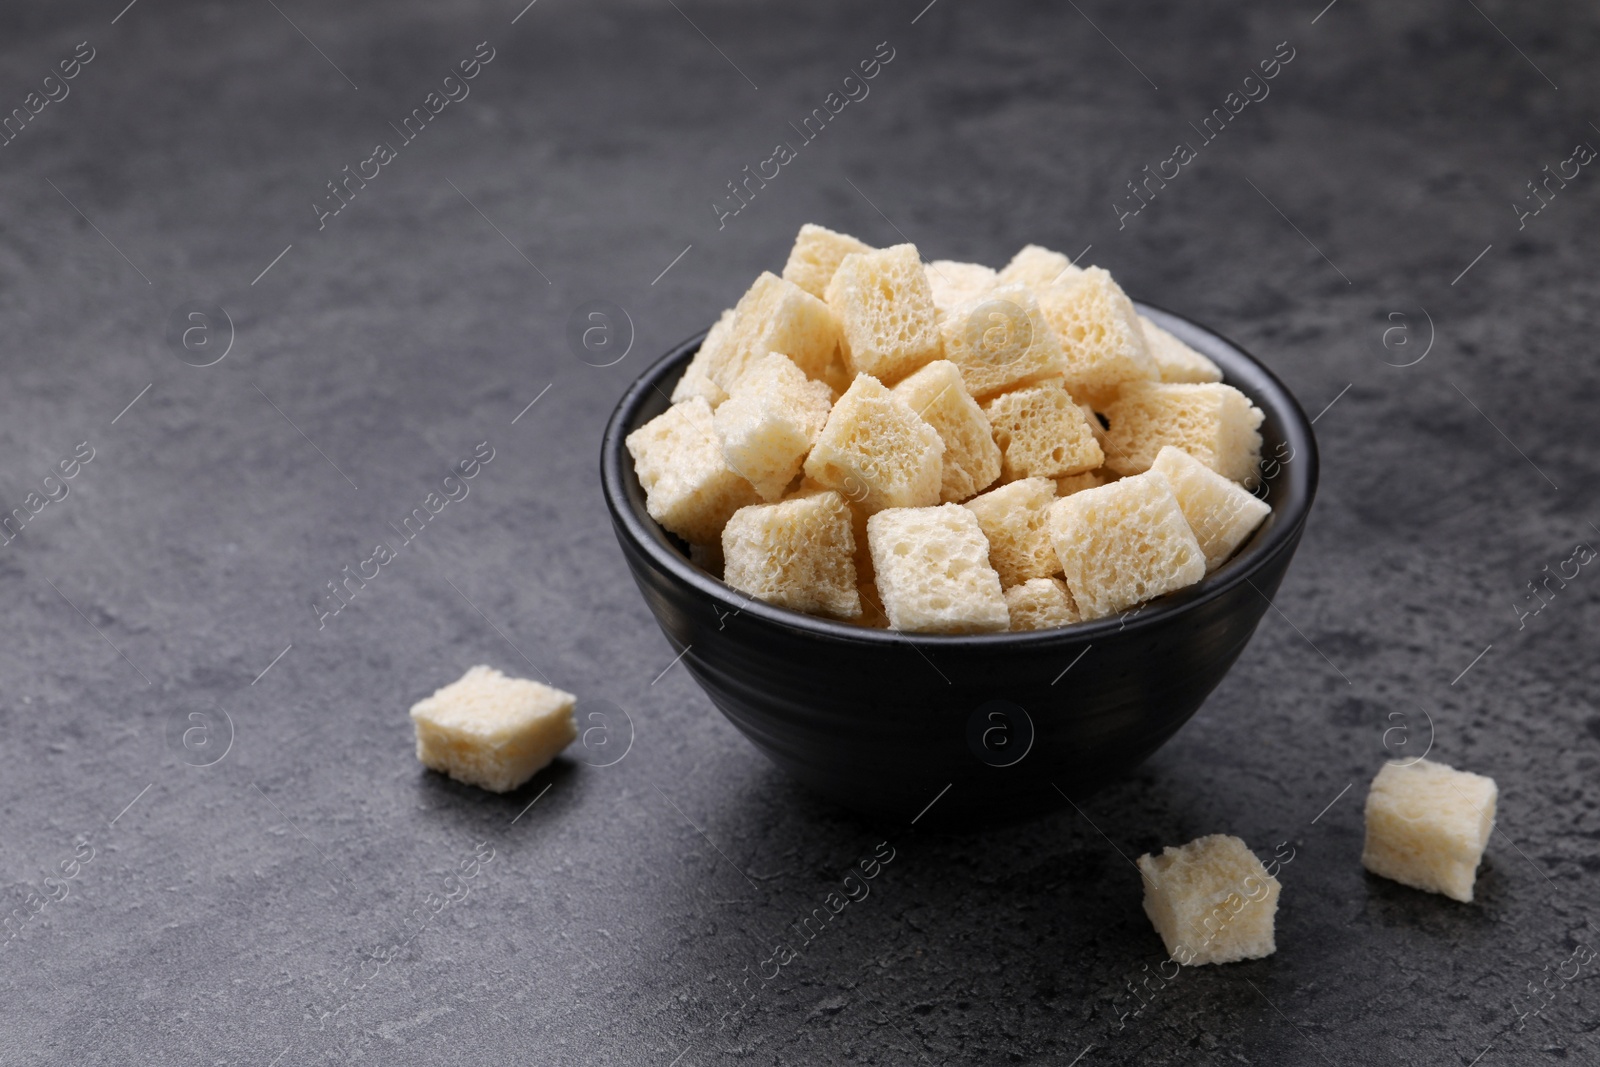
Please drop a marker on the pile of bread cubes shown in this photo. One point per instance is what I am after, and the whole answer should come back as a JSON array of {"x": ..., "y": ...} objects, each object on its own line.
[{"x": 944, "y": 448}]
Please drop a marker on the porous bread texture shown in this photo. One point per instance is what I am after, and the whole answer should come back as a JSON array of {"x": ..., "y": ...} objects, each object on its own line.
[
  {"x": 1041, "y": 604},
  {"x": 777, "y": 316},
  {"x": 1211, "y": 901},
  {"x": 689, "y": 487},
  {"x": 1427, "y": 826},
  {"x": 1214, "y": 423},
  {"x": 1099, "y": 332},
  {"x": 876, "y": 451},
  {"x": 940, "y": 398},
  {"x": 772, "y": 416},
  {"x": 816, "y": 254},
  {"x": 797, "y": 554},
  {"x": 1037, "y": 268},
  {"x": 888, "y": 326},
  {"x": 953, "y": 283},
  {"x": 1176, "y": 361},
  {"x": 492, "y": 731},
  {"x": 1124, "y": 543},
  {"x": 696, "y": 380},
  {"x": 1016, "y": 520},
  {"x": 1001, "y": 340},
  {"x": 1077, "y": 483},
  {"x": 932, "y": 569},
  {"x": 1221, "y": 513},
  {"x": 1042, "y": 432}
]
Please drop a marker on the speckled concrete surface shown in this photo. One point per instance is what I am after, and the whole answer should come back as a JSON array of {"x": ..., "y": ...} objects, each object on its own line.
[{"x": 277, "y": 906}]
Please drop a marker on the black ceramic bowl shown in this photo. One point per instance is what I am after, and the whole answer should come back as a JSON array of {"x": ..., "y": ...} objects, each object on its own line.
[{"x": 994, "y": 726}]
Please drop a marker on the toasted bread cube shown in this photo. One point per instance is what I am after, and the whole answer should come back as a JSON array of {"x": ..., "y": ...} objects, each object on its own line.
[
  {"x": 1214, "y": 423},
  {"x": 777, "y": 316},
  {"x": 1176, "y": 361},
  {"x": 1042, "y": 433},
  {"x": 770, "y": 420},
  {"x": 876, "y": 451},
  {"x": 1077, "y": 483},
  {"x": 1038, "y": 268},
  {"x": 689, "y": 487},
  {"x": 1427, "y": 826},
  {"x": 816, "y": 254},
  {"x": 696, "y": 380},
  {"x": 1000, "y": 341},
  {"x": 1100, "y": 334},
  {"x": 1221, "y": 513},
  {"x": 492, "y": 731},
  {"x": 940, "y": 398},
  {"x": 954, "y": 284},
  {"x": 797, "y": 554},
  {"x": 1124, "y": 543},
  {"x": 1211, "y": 901},
  {"x": 932, "y": 567},
  {"x": 888, "y": 326},
  {"x": 1016, "y": 520},
  {"x": 1041, "y": 604}
]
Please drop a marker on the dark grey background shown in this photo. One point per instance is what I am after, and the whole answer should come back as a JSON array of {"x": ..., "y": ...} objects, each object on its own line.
[{"x": 232, "y": 905}]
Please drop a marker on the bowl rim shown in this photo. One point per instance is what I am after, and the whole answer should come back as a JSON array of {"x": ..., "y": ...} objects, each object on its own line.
[{"x": 1289, "y": 518}]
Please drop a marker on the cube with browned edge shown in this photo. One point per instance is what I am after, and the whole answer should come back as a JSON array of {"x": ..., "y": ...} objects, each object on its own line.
[{"x": 493, "y": 731}]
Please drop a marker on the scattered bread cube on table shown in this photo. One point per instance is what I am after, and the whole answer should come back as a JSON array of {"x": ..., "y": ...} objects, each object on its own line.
[
  {"x": 1041, "y": 603},
  {"x": 696, "y": 380},
  {"x": 1214, "y": 423},
  {"x": 1124, "y": 543},
  {"x": 493, "y": 731},
  {"x": 1016, "y": 520},
  {"x": 1037, "y": 268},
  {"x": 689, "y": 487},
  {"x": 876, "y": 451},
  {"x": 1042, "y": 432},
  {"x": 1099, "y": 332},
  {"x": 1176, "y": 361},
  {"x": 939, "y": 396},
  {"x": 772, "y": 416},
  {"x": 888, "y": 326},
  {"x": 1211, "y": 901},
  {"x": 954, "y": 284},
  {"x": 796, "y": 554},
  {"x": 1221, "y": 513},
  {"x": 1001, "y": 340},
  {"x": 1427, "y": 826},
  {"x": 777, "y": 316},
  {"x": 816, "y": 254},
  {"x": 932, "y": 569}
]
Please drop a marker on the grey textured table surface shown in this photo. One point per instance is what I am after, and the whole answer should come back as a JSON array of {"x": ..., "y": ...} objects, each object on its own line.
[{"x": 277, "y": 905}]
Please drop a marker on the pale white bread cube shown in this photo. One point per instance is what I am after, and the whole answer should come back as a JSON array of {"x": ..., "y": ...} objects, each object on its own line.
[
  {"x": 876, "y": 451},
  {"x": 777, "y": 316},
  {"x": 1176, "y": 361},
  {"x": 932, "y": 569},
  {"x": 954, "y": 284},
  {"x": 1099, "y": 332},
  {"x": 689, "y": 487},
  {"x": 696, "y": 380},
  {"x": 1016, "y": 520},
  {"x": 1042, "y": 433},
  {"x": 888, "y": 326},
  {"x": 1038, "y": 268},
  {"x": 1041, "y": 604},
  {"x": 1427, "y": 826},
  {"x": 1077, "y": 483},
  {"x": 1221, "y": 513},
  {"x": 772, "y": 416},
  {"x": 1124, "y": 543},
  {"x": 971, "y": 458},
  {"x": 492, "y": 731},
  {"x": 816, "y": 254},
  {"x": 1211, "y": 901},
  {"x": 797, "y": 554},
  {"x": 1214, "y": 423},
  {"x": 1000, "y": 341}
]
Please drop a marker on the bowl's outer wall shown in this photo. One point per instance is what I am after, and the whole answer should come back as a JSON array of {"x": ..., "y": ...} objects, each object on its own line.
[{"x": 881, "y": 725}]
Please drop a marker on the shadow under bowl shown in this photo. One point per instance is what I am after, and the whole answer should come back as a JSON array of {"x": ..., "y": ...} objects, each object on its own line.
[{"x": 991, "y": 727}]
